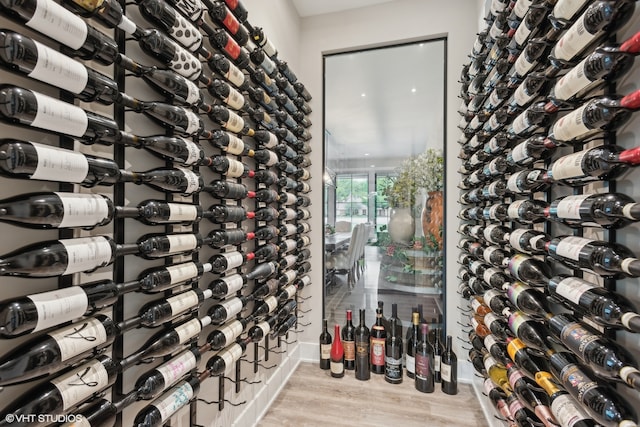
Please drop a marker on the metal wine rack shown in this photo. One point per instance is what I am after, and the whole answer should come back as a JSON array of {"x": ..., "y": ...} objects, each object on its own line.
[{"x": 216, "y": 399}]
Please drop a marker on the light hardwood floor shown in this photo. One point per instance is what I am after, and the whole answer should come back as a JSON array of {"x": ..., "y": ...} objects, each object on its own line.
[{"x": 313, "y": 398}]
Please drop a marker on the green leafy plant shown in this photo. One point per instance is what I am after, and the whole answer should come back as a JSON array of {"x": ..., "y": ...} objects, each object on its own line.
[{"x": 425, "y": 171}]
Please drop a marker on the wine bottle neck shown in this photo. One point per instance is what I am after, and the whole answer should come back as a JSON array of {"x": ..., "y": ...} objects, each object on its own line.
[
  {"x": 126, "y": 249},
  {"x": 127, "y": 325},
  {"x": 129, "y": 139},
  {"x": 126, "y": 401},
  {"x": 128, "y": 176},
  {"x": 127, "y": 212},
  {"x": 127, "y": 287}
]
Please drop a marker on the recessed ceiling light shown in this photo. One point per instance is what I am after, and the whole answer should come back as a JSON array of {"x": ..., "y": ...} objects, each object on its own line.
[
  {"x": 413, "y": 90},
  {"x": 363, "y": 95},
  {"x": 373, "y": 166},
  {"x": 366, "y": 154}
]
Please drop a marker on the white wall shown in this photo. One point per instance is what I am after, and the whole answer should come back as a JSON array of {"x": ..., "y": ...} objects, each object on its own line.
[{"x": 381, "y": 25}]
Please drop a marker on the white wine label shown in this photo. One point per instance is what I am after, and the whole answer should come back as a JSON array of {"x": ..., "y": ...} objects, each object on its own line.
[
  {"x": 573, "y": 41},
  {"x": 182, "y": 302},
  {"x": 182, "y": 272},
  {"x": 514, "y": 239},
  {"x": 570, "y": 126},
  {"x": 235, "y": 99},
  {"x": 325, "y": 351},
  {"x": 235, "y": 145},
  {"x": 520, "y": 152},
  {"x": 59, "y": 116},
  {"x": 86, "y": 253},
  {"x": 489, "y": 341},
  {"x": 568, "y": 166},
  {"x": 265, "y": 327},
  {"x": 512, "y": 183},
  {"x": 445, "y": 372},
  {"x": 182, "y": 242},
  {"x": 188, "y": 330},
  {"x": 289, "y": 261},
  {"x": 489, "y": 295},
  {"x": 569, "y": 207},
  {"x": 83, "y": 210},
  {"x": 234, "y": 283},
  {"x": 193, "y": 152},
  {"x": 269, "y": 48},
  {"x": 475, "y": 304},
  {"x": 290, "y": 229},
  {"x": 566, "y": 411},
  {"x": 488, "y": 252},
  {"x": 474, "y": 142},
  {"x": 290, "y": 291},
  {"x": 232, "y": 306},
  {"x": 496, "y": 7},
  {"x": 272, "y": 142},
  {"x": 570, "y": 247},
  {"x": 566, "y": 9},
  {"x": 488, "y": 231},
  {"x": 522, "y": 65},
  {"x": 625, "y": 265},
  {"x": 410, "y": 362},
  {"x": 58, "y": 23},
  {"x": 520, "y": 124},
  {"x": 79, "y": 384},
  {"x": 488, "y": 273},
  {"x": 58, "y": 306},
  {"x": 521, "y": 96},
  {"x": 236, "y": 168},
  {"x": 514, "y": 208},
  {"x": 521, "y": 7},
  {"x": 193, "y": 181},
  {"x": 56, "y": 164},
  {"x": 522, "y": 34},
  {"x": 193, "y": 92},
  {"x": 59, "y": 70},
  {"x": 494, "y": 31},
  {"x": 235, "y": 75},
  {"x": 336, "y": 367},
  {"x": 193, "y": 122},
  {"x": 170, "y": 402},
  {"x": 231, "y": 355},
  {"x": 272, "y": 303},
  {"x": 177, "y": 367},
  {"x": 185, "y": 33},
  {"x": 572, "y": 82},
  {"x": 289, "y": 276},
  {"x": 488, "y": 363},
  {"x": 489, "y": 318},
  {"x": 306, "y": 241},
  {"x": 231, "y": 331},
  {"x": 182, "y": 212},
  {"x": 234, "y": 259},
  {"x": 273, "y": 159},
  {"x": 235, "y": 123},
  {"x": 79, "y": 337}
]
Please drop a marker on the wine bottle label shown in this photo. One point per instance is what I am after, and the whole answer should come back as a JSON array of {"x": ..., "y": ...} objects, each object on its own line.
[
  {"x": 473, "y": 125},
  {"x": 235, "y": 99},
  {"x": 445, "y": 372},
  {"x": 272, "y": 303},
  {"x": 59, "y": 116},
  {"x": 535, "y": 239},
  {"x": 232, "y": 306},
  {"x": 566, "y": 9},
  {"x": 193, "y": 122},
  {"x": 569, "y": 207},
  {"x": 182, "y": 272},
  {"x": 576, "y": 382},
  {"x": 475, "y": 305},
  {"x": 514, "y": 209},
  {"x": 82, "y": 209},
  {"x": 570, "y": 247},
  {"x": 488, "y": 253},
  {"x": 488, "y": 363},
  {"x": 231, "y": 23},
  {"x": 185, "y": 33},
  {"x": 488, "y": 385},
  {"x": 410, "y": 363},
  {"x": 170, "y": 402},
  {"x": 234, "y": 75},
  {"x": 489, "y": 319},
  {"x": 377, "y": 351},
  {"x": 515, "y": 375},
  {"x": 58, "y": 23},
  {"x": 521, "y": 97},
  {"x": 234, "y": 259},
  {"x": 474, "y": 323},
  {"x": 521, "y": 8},
  {"x": 86, "y": 253},
  {"x": 566, "y": 411},
  {"x": 193, "y": 152},
  {"x": 336, "y": 367},
  {"x": 79, "y": 384},
  {"x": 234, "y": 283},
  {"x": 349, "y": 350},
  {"x": 393, "y": 368},
  {"x": 325, "y": 351},
  {"x": 289, "y": 276},
  {"x": 235, "y": 145},
  {"x": 56, "y": 164},
  {"x": 182, "y": 242},
  {"x": 231, "y": 331},
  {"x": 572, "y": 82},
  {"x": 235, "y": 123},
  {"x": 58, "y": 306},
  {"x": 489, "y": 295},
  {"x": 520, "y": 124},
  {"x": 515, "y": 237},
  {"x": 231, "y": 355},
  {"x": 423, "y": 368},
  {"x": 177, "y": 367},
  {"x": 494, "y": 31},
  {"x": 626, "y": 371},
  {"x": 570, "y": 126},
  {"x": 80, "y": 337},
  {"x": 496, "y": 7},
  {"x": 179, "y": 212},
  {"x": 59, "y": 70},
  {"x": 576, "y": 338},
  {"x": 289, "y": 261},
  {"x": 576, "y": 38},
  {"x": 515, "y": 320},
  {"x": 236, "y": 169},
  {"x": 436, "y": 363},
  {"x": 493, "y": 123},
  {"x": 513, "y": 183},
  {"x": 627, "y": 318},
  {"x": 522, "y": 34},
  {"x": 193, "y": 181},
  {"x": 273, "y": 159},
  {"x": 188, "y": 330},
  {"x": 488, "y": 231},
  {"x": 515, "y": 406},
  {"x": 520, "y": 153},
  {"x": 265, "y": 327},
  {"x": 489, "y": 341},
  {"x": 182, "y": 302},
  {"x": 489, "y": 273},
  {"x": 522, "y": 65},
  {"x": 192, "y": 9},
  {"x": 625, "y": 265}
]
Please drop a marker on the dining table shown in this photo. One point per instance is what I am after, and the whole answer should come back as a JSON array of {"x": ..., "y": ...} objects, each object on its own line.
[{"x": 335, "y": 241}]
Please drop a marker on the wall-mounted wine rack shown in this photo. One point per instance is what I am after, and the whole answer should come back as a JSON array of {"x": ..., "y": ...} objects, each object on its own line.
[{"x": 192, "y": 98}]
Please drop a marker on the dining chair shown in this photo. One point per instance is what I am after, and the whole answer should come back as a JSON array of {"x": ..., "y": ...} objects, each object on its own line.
[{"x": 344, "y": 262}]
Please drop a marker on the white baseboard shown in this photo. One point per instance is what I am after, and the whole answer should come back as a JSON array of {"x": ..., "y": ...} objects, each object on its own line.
[{"x": 309, "y": 352}]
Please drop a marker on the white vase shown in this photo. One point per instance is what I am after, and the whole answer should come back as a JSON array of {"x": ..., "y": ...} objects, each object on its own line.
[{"x": 401, "y": 225}]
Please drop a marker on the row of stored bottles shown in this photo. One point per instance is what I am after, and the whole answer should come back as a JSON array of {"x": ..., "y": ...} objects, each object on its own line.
[
  {"x": 540, "y": 116},
  {"x": 229, "y": 281}
]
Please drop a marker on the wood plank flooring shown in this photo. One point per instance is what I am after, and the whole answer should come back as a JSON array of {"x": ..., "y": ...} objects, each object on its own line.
[{"x": 313, "y": 398}]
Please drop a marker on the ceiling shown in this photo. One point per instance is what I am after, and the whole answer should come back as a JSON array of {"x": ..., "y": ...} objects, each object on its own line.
[
  {"x": 318, "y": 7},
  {"x": 382, "y": 105}
]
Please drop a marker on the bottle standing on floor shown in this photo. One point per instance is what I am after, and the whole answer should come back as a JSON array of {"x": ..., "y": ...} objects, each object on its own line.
[
  {"x": 412, "y": 344},
  {"x": 449, "y": 369},
  {"x": 348, "y": 342},
  {"x": 424, "y": 380},
  {"x": 362, "y": 336},
  {"x": 378, "y": 339},
  {"x": 325, "y": 346},
  {"x": 393, "y": 355},
  {"x": 337, "y": 355},
  {"x": 437, "y": 356}
]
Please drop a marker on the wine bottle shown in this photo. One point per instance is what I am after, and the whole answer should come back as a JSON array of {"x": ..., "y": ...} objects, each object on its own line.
[
  {"x": 228, "y": 285},
  {"x": 529, "y": 151},
  {"x": 530, "y": 395},
  {"x": 157, "y": 312},
  {"x": 607, "y": 359},
  {"x": 265, "y": 157},
  {"x": 227, "y": 94},
  {"x": 592, "y": 164},
  {"x": 63, "y": 26},
  {"x": 62, "y": 347},
  {"x": 603, "y": 258},
  {"x": 221, "y": 362},
  {"x": 262, "y": 60},
  {"x": 230, "y": 167},
  {"x": 158, "y": 45},
  {"x": 221, "y": 14},
  {"x": 265, "y": 177},
  {"x": 378, "y": 338},
  {"x": 499, "y": 400},
  {"x": 393, "y": 354},
  {"x": 609, "y": 210},
  {"x": 227, "y": 333},
  {"x": 531, "y": 333},
  {"x": 227, "y": 309},
  {"x": 437, "y": 355},
  {"x": 285, "y": 326},
  {"x": 530, "y": 364},
  {"x": 526, "y": 241},
  {"x": 337, "y": 354},
  {"x": 109, "y": 12},
  {"x": 262, "y": 329},
  {"x": 156, "y": 212},
  {"x": 150, "y": 384},
  {"x": 159, "y": 279},
  {"x": 565, "y": 409},
  {"x": 362, "y": 356},
  {"x": 229, "y": 143},
  {"x": 220, "y": 214},
  {"x": 226, "y": 44},
  {"x": 175, "y": 148},
  {"x": 325, "y": 347},
  {"x": 266, "y": 214},
  {"x": 151, "y": 246},
  {"x": 103, "y": 412},
  {"x": 348, "y": 343},
  {"x": 605, "y": 307},
  {"x": 424, "y": 375},
  {"x": 220, "y": 238},
  {"x": 412, "y": 344},
  {"x": 28, "y": 108},
  {"x": 229, "y": 71},
  {"x": 25, "y": 55},
  {"x": 174, "y": 117},
  {"x": 529, "y": 270},
  {"x": 224, "y": 189},
  {"x": 63, "y": 393},
  {"x": 171, "y": 22},
  {"x": 161, "y": 409},
  {"x": 529, "y": 300}
]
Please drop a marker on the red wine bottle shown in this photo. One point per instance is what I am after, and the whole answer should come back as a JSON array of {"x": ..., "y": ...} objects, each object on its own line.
[
  {"x": 220, "y": 214},
  {"x": 325, "y": 347},
  {"x": 529, "y": 270},
  {"x": 103, "y": 412},
  {"x": 150, "y": 384},
  {"x": 229, "y": 71},
  {"x": 63, "y": 393},
  {"x": 224, "y": 360},
  {"x": 220, "y": 238},
  {"x": 603, "y": 306},
  {"x": 532, "y": 333},
  {"x": 348, "y": 343},
  {"x": 530, "y": 151},
  {"x": 362, "y": 357},
  {"x": 156, "y": 212},
  {"x": 155, "y": 313},
  {"x": 152, "y": 246},
  {"x": 164, "y": 407},
  {"x": 378, "y": 338},
  {"x": 62, "y": 347},
  {"x": 171, "y": 22},
  {"x": 174, "y": 148},
  {"x": 221, "y": 14},
  {"x": 174, "y": 117},
  {"x": 230, "y": 167},
  {"x": 337, "y": 354},
  {"x": 225, "y": 43},
  {"x": 222, "y": 312},
  {"x": 227, "y": 94},
  {"x": 32, "y": 109},
  {"x": 174, "y": 180},
  {"x": 159, "y": 279},
  {"x": 609, "y": 210},
  {"x": 228, "y": 285},
  {"x": 226, "y": 261},
  {"x": 424, "y": 377},
  {"x": 529, "y": 300},
  {"x": 565, "y": 409},
  {"x": 226, "y": 334},
  {"x": 31, "y": 160}
]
